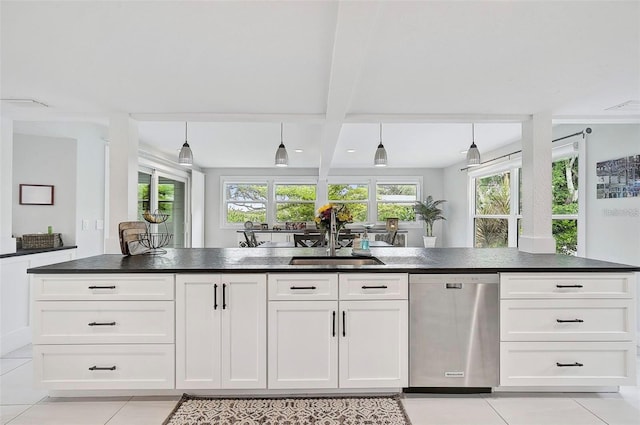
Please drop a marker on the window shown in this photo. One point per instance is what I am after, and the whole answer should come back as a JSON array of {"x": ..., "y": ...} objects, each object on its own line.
[
  {"x": 396, "y": 201},
  {"x": 245, "y": 202},
  {"x": 157, "y": 191},
  {"x": 354, "y": 196},
  {"x": 565, "y": 205},
  {"x": 492, "y": 210},
  {"x": 295, "y": 202}
]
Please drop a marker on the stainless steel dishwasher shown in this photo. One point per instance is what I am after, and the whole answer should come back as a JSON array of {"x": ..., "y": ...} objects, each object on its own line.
[{"x": 454, "y": 333}]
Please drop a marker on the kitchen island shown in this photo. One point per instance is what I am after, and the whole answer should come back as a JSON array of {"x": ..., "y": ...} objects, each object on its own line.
[{"x": 246, "y": 320}]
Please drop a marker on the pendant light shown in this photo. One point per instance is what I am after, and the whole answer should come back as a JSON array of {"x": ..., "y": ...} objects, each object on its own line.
[
  {"x": 282, "y": 159},
  {"x": 380, "y": 159},
  {"x": 473, "y": 154},
  {"x": 186, "y": 156}
]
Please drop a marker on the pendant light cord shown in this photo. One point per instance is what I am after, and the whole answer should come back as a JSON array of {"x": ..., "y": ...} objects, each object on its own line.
[
  {"x": 281, "y": 133},
  {"x": 380, "y": 133},
  {"x": 185, "y": 131}
]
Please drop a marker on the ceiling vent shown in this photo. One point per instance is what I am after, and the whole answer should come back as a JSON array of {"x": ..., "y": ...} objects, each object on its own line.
[
  {"x": 628, "y": 106},
  {"x": 26, "y": 103}
]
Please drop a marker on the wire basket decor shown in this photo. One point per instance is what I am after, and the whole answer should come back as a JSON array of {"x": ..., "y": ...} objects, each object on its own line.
[{"x": 155, "y": 241}]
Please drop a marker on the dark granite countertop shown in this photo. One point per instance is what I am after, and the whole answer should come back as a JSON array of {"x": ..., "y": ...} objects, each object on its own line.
[
  {"x": 406, "y": 260},
  {"x": 20, "y": 252}
]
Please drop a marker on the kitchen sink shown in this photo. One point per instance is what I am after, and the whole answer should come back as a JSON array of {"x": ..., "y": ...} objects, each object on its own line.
[{"x": 335, "y": 261}]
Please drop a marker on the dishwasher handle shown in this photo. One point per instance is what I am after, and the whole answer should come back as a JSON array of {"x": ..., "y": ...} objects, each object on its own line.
[{"x": 453, "y": 285}]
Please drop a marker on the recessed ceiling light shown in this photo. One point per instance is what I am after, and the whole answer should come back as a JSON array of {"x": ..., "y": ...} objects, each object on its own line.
[
  {"x": 26, "y": 102},
  {"x": 298, "y": 150},
  {"x": 351, "y": 150}
]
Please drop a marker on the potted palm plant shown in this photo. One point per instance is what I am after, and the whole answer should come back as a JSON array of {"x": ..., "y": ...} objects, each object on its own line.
[{"x": 429, "y": 211}]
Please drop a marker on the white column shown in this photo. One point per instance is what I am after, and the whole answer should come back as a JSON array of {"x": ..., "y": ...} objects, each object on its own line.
[
  {"x": 122, "y": 178},
  {"x": 536, "y": 185},
  {"x": 7, "y": 241}
]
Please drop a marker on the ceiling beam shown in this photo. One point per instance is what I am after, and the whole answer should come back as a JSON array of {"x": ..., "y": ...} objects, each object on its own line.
[
  {"x": 354, "y": 25},
  {"x": 436, "y": 118},
  {"x": 214, "y": 117}
]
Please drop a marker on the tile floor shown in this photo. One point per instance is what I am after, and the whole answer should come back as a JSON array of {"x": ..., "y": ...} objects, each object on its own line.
[{"x": 20, "y": 404}]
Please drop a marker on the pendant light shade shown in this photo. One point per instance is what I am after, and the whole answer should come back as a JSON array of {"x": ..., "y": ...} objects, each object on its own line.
[
  {"x": 380, "y": 159},
  {"x": 473, "y": 154},
  {"x": 282, "y": 159},
  {"x": 186, "y": 156}
]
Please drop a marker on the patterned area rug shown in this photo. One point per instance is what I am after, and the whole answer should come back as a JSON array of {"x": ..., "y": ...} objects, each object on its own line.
[{"x": 192, "y": 410}]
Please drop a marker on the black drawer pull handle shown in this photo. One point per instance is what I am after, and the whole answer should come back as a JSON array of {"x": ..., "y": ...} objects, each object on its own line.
[
  {"x": 215, "y": 296},
  {"x": 570, "y": 321},
  {"x": 102, "y": 324},
  {"x": 334, "y": 324},
  {"x": 568, "y": 286},
  {"x": 576, "y": 364},
  {"x": 224, "y": 296},
  {"x": 102, "y": 368},
  {"x": 344, "y": 323},
  {"x": 374, "y": 287},
  {"x": 102, "y": 287},
  {"x": 302, "y": 287}
]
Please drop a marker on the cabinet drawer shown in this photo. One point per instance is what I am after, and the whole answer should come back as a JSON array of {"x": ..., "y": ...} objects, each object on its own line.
[
  {"x": 373, "y": 286},
  {"x": 567, "y": 363},
  {"x": 303, "y": 286},
  {"x": 140, "y": 286},
  {"x": 567, "y": 320},
  {"x": 567, "y": 285},
  {"x": 99, "y": 322},
  {"x": 88, "y": 367}
]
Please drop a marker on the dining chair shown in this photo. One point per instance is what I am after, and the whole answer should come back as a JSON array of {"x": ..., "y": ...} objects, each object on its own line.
[
  {"x": 389, "y": 237},
  {"x": 308, "y": 240},
  {"x": 346, "y": 239},
  {"x": 250, "y": 237}
]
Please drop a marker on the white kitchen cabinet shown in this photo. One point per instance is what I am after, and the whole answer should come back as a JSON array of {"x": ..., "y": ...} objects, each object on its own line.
[
  {"x": 316, "y": 331},
  {"x": 221, "y": 331},
  {"x": 15, "y": 323},
  {"x": 103, "y": 331},
  {"x": 374, "y": 341},
  {"x": 567, "y": 329},
  {"x": 303, "y": 344}
]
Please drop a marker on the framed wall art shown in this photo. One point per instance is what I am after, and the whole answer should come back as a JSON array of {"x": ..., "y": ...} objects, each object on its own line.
[{"x": 36, "y": 194}]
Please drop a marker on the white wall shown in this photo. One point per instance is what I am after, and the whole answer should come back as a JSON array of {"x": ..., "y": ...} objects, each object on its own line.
[
  {"x": 89, "y": 171},
  {"x": 215, "y": 236},
  {"x": 50, "y": 161}
]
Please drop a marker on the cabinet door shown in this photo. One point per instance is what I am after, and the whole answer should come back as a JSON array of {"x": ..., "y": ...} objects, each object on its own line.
[
  {"x": 303, "y": 344},
  {"x": 374, "y": 344},
  {"x": 244, "y": 331},
  {"x": 198, "y": 311}
]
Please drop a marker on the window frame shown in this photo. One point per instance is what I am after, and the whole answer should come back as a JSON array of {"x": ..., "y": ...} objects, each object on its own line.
[
  {"x": 397, "y": 181},
  {"x": 281, "y": 182},
  {"x": 350, "y": 181},
  {"x": 514, "y": 166}
]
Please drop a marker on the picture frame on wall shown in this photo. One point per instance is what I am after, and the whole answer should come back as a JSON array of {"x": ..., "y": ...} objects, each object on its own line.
[{"x": 36, "y": 194}]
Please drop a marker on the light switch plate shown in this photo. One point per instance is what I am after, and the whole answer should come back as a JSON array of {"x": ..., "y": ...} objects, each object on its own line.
[{"x": 99, "y": 224}]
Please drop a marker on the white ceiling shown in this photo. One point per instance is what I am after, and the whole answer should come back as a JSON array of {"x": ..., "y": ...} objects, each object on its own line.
[{"x": 331, "y": 71}]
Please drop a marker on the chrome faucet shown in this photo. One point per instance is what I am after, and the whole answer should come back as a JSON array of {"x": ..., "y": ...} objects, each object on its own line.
[{"x": 332, "y": 234}]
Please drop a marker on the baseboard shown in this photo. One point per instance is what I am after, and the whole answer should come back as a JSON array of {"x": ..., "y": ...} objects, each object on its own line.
[
  {"x": 225, "y": 393},
  {"x": 14, "y": 340},
  {"x": 556, "y": 389}
]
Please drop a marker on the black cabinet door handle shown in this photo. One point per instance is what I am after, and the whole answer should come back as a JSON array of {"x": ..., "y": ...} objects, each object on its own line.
[
  {"x": 224, "y": 296},
  {"x": 102, "y": 287},
  {"x": 215, "y": 296},
  {"x": 576, "y": 364},
  {"x": 344, "y": 323},
  {"x": 568, "y": 286},
  {"x": 102, "y": 324},
  {"x": 302, "y": 287},
  {"x": 374, "y": 287},
  {"x": 334, "y": 324},
  {"x": 102, "y": 368},
  {"x": 569, "y": 320}
]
